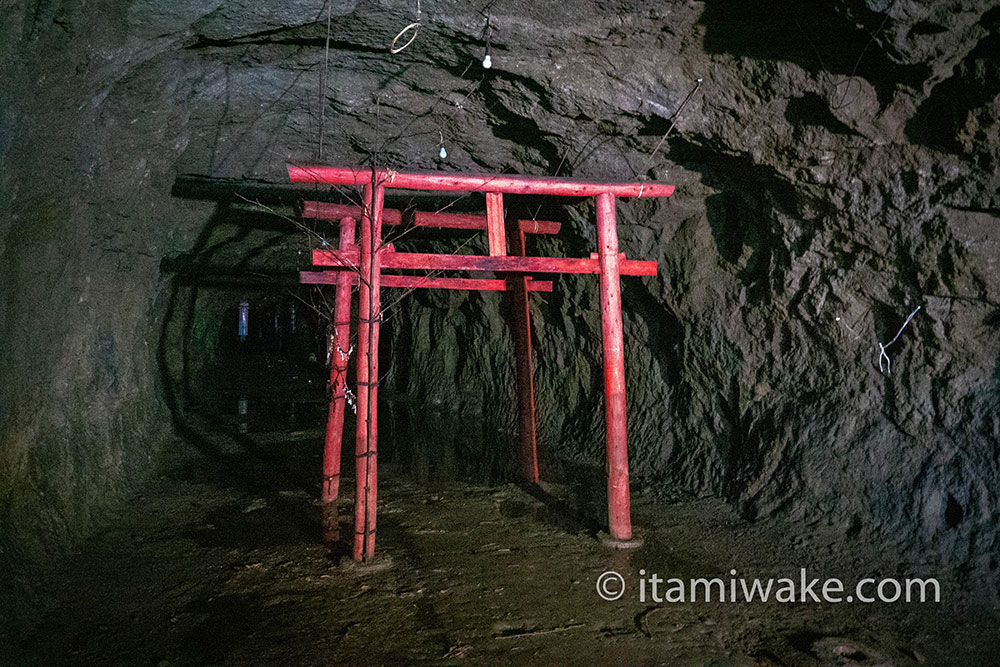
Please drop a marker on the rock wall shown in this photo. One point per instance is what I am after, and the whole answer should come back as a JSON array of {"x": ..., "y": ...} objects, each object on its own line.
[{"x": 836, "y": 168}]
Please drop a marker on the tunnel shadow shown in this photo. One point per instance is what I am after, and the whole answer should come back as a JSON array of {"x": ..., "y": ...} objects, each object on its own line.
[{"x": 236, "y": 460}]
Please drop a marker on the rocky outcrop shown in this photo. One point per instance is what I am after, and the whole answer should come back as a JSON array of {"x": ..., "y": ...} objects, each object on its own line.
[{"x": 836, "y": 169}]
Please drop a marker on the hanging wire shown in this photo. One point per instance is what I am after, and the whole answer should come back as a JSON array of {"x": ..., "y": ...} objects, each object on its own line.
[
  {"x": 394, "y": 47},
  {"x": 488, "y": 35},
  {"x": 443, "y": 154},
  {"x": 673, "y": 122},
  {"x": 323, "y": 79}
]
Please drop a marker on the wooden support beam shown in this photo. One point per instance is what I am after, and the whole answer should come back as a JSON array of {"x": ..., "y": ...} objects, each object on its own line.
[
  {"x": 340, "y": 344},
  {"x": 433, "y": 262},
  {"x": 328, "y": 211},
  {"x": 420, "y": 282},
  {"x": 494, "y": 224},
  {"x": 619, "y": 515},
  {"x": 369, "y": 316},
  {"x": 437, "y": 180},
  {"x": 518, "y": 287}
]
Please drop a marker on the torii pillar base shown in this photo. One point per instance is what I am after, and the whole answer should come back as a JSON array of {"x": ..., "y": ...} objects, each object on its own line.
[
  {"x": 380, "y": 563},
  {"x": 634, "y": 543}
]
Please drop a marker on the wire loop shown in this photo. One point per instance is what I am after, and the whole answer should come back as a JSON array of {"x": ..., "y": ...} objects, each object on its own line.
[{"x": 415, "y": 26}]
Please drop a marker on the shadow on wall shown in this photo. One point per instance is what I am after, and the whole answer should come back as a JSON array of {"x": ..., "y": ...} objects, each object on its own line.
[
  {"x": 741, "y": 215},
  {"x": 813, "y": 36},
  {"x": 812, "y": 110},
  {"x": 959, "y": 107}
]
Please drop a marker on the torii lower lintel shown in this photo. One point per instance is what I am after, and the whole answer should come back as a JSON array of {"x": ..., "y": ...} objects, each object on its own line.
[{"x": 371, "y": 258}]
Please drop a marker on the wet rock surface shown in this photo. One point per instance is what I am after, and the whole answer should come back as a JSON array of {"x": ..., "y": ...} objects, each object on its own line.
[{"x": 835, "y": 162}]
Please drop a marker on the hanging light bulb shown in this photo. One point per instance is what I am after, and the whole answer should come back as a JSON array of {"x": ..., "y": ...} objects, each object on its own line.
[
  {"x": 443, "y": 153},
  {"x": 488, "y": 35}
]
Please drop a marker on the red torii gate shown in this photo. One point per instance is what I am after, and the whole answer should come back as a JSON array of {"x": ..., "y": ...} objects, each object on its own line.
[{"x": 353, "y": 265}]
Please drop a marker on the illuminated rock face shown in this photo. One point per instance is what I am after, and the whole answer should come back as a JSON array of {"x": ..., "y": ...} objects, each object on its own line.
[{"x": 822, "y": 173}]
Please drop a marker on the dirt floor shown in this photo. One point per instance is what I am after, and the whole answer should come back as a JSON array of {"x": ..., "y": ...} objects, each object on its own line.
[{"x": 217, "y": 561}]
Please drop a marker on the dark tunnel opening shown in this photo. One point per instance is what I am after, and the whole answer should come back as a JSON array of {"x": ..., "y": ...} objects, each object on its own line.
[{"x": 274, "y": 381}]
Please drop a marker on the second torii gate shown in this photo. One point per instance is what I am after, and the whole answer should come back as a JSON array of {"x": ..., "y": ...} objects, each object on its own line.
[{"x": 363, "y": 266}]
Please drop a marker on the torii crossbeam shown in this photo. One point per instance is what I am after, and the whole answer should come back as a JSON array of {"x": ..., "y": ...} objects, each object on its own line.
[{"x": 353, "y": 265}]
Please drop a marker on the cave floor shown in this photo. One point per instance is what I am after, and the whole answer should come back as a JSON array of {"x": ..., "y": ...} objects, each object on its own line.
[{"x": 217, "y": 561}]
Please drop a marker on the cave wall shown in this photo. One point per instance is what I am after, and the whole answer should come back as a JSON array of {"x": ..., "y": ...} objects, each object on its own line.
[{"x": 836, "y": 161}]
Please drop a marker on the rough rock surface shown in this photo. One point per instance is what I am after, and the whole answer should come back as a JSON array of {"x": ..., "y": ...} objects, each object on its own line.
[{"x": 836, "y": 161}]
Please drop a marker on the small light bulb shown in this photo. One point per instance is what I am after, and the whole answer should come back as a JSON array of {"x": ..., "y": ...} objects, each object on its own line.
[
  {"x": 443, "y": 154},
  {"x": 487, "y": 62}
]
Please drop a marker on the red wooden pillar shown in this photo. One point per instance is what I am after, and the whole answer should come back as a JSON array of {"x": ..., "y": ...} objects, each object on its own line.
[
  {"x": 494, "y": 224},
  {"x": 338, "y": 382},
  {"x": 517, "y": 285},
  {"x": 619, "y": 519},
  {"x": 369, "y": 316}
]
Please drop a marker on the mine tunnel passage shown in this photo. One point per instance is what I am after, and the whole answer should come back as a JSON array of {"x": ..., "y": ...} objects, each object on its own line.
[{"x": 245, "y": 349}]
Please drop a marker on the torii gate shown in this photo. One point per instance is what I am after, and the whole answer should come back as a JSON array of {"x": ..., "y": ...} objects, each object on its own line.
[{"x": 363, "y": 266}]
